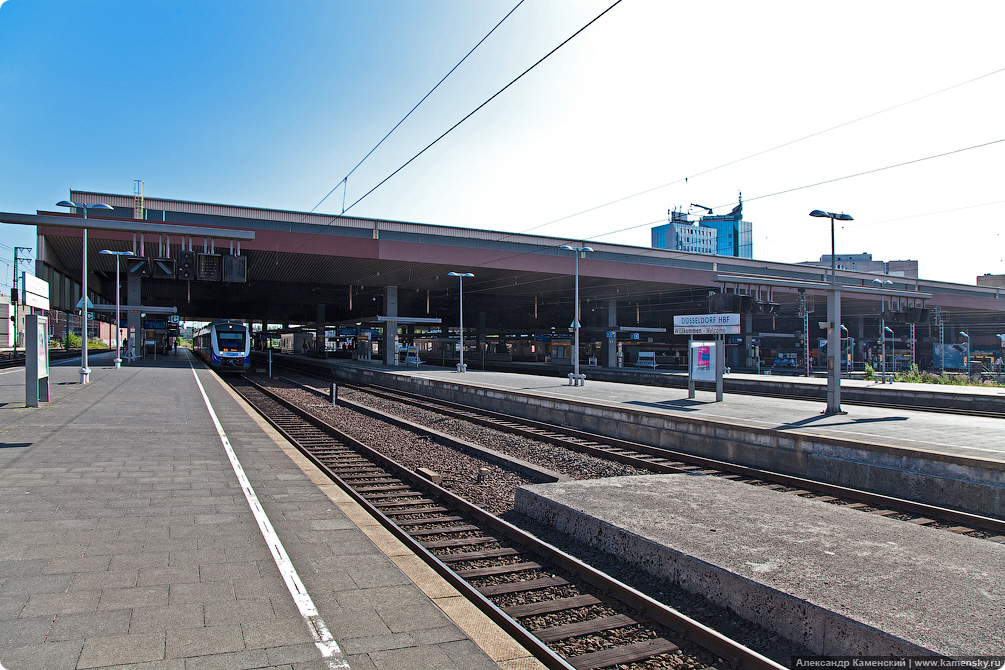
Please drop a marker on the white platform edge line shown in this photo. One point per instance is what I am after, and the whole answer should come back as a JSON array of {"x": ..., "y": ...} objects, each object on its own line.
[{"x": 323, "y": 639}]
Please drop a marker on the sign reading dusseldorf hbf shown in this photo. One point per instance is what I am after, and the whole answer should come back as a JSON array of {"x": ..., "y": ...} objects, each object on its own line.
[{"x": 706, "y": 324}]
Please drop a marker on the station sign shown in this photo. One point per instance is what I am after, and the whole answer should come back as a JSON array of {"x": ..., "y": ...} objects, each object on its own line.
[
  {"x": 34, "y": 291},
  {"x": 706, "y": 324}
]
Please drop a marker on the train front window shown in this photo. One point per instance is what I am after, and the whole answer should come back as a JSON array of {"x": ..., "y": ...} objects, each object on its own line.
[{"x": 230, "y": 340}]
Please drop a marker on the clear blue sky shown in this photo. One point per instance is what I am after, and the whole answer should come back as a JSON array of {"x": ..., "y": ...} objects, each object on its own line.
[{"x": 271, "y": 104}]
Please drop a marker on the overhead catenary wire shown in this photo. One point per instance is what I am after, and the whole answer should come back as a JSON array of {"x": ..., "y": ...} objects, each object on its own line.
[
  {"x": 505, "y": 236},
  {"x": 677, "y": 254},
  {"x": 482, "y": 105},
  {"x": 466, "y": 117},
  {"x": 766, "y": 151},
  {"x": 345, "y": 180}
]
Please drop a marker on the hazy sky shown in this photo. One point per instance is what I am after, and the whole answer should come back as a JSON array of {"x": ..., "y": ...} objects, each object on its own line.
[{"x": 271, "y": 104}]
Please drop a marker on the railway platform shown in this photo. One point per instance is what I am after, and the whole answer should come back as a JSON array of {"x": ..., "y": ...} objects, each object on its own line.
[
  {"x": 144, "y": 525},
  {"x": 837, "y": 580},
  {"x": 942, "y": 458},
  {"x": 946, "y": 432}
]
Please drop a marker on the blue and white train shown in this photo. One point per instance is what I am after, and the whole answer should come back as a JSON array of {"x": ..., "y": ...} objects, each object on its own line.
[{"x": 224, "y": 345}]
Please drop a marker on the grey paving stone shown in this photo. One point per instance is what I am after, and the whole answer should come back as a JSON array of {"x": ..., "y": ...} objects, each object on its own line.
[
  {"x": 416, "y": 616},
  {"x": 348, "y": 623},
  {"x": 137, "y": 596},
  {"x": 154, "y": 576},
  {"x": 170, "y": 664},
  {"x": 32, "y": 584},
  {"x": 11, "y": 606},
  {"x": 276, "y": 633},
  {"x": 239, "y": 660},
  {"x": 197, "y": 557},
  {"x": 313, "y": 665},
  {"x": 46, "y": 656},
  {"x": 158, "y": 542},
  {"x": 255, "y": 587},
  {"x": 293, "y": 653},
  {"x": 376, "y": 598},
  {"x": 139, "y": 560},
  {"x": 89, "y": 624},
  {"x": 369, "y": 575},
  {"x": 409, "y": 658},
  {"x": 108, "y": 579},
  {"x": 253, "y": 609},
  {"x": 467, "y": 655},
  {"x": 186, "y": 642},
  {"x": 227, "y": 571},
  {"x": 72, "y": 564},
  {"x": 24, "y": 631},
  {"x": 437, "y": 635},
  {"x": 154, "y": 619},
  {"x": 121, "y": 649},
  {"x": 61, "y": 603},
  {"x": 361, "y": 662},
  {"x": 374, "y": 643},
  {"x": 17, "y": 568},
  {"x": 202, "y": 592}
]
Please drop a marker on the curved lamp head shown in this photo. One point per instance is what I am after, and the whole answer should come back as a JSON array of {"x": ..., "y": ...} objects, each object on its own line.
[
  {"x": 821, "y": 214},
  {"x": 459, "y": 274},
  {"x": 570, "y": 248}
]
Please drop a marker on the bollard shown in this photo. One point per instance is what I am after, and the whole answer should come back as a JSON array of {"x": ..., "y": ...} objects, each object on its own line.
[
  {"x": 483, "y": 474},
  {"x": 334, "y": 393}
]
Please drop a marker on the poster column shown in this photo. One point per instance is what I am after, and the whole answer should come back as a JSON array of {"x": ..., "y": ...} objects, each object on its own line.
[{"x": 36, "y": 361}]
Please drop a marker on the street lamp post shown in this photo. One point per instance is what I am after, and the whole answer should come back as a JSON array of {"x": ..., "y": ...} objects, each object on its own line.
[
  {"x": 85, "y": 372},
  {"x": 882, "y": 324},
  {"x": 118, "y": 344},
  {"x": 893, "y": 353},
  {"x": 576, "y": 379},
  {"x": 460, "y": 278},
  {"x": 966, "y": 356},
  {"x": 834, "y": 320}
]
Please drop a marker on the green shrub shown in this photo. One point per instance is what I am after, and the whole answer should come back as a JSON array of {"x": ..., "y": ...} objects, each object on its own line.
[
  {"x": 914, "y": 376},
  {"x": 870, "y": 373}
]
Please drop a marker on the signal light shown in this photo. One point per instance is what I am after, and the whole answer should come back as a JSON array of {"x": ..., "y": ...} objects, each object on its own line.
[
  {"x": 235, "y": 268},
  {"x": 208, "y": 267},
  {"x": 163, "y": 268},
  {"x": 186, "y": 265},
  {"x": 138, "y": 265}
]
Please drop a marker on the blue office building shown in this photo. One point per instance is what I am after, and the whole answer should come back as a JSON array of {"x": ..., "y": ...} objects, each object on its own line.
[{"x": 722, "y": 234}]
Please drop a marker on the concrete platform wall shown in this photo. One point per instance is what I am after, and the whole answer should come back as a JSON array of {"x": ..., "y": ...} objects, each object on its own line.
[
  {"x": 820, "y": 630},
  {"x": 974, "y": 485}
]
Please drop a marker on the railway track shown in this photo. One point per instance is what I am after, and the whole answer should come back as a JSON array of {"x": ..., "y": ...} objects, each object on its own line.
[
  {"x": 567, "y": 613},
  {"x": 661, "y": 460},
  {"x": 54, "y": 355}
]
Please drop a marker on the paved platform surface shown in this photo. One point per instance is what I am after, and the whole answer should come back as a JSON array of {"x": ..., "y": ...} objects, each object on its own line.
[
  {"x": 927, "y": 589},
  {"x": 126, "y": 541},
  {"x": 970, "y": 436}
]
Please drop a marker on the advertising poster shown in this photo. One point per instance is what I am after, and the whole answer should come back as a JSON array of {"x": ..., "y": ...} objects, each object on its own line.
[{"x": 703, "y": 361}]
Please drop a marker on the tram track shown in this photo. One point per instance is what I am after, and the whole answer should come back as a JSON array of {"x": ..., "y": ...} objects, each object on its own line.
[{"x": 569, "y": 614}]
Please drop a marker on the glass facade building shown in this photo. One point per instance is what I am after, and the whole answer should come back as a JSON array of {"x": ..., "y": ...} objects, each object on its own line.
[{"x": 722, "y": 235}]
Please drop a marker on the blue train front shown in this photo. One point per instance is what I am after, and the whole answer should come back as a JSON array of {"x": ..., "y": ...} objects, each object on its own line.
[{"x": 224, "y": 345}]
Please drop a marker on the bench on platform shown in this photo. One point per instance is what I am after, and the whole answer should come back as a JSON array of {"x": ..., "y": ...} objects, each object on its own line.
[
  {"x": 413, "y": 359},
  {"x": 646, "y": 359}
]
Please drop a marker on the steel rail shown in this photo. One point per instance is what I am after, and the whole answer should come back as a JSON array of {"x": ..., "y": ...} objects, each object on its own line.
[
  {"x": 975, "y": 521},
  {"x": 670, "y": 618}
]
